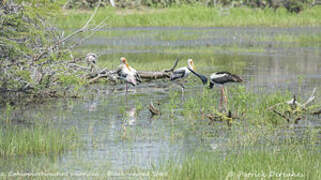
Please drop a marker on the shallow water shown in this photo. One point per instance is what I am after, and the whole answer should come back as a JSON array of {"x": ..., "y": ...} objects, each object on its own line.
[{"x": 116, "y": 128}]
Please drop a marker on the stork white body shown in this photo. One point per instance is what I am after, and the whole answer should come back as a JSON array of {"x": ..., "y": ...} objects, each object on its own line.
[
  {"x": 182, "y": 73},
  {"x": 127, "y": 73}
]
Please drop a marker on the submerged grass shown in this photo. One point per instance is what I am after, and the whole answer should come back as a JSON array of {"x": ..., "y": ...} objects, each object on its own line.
[{"x": 196, "y": 15}]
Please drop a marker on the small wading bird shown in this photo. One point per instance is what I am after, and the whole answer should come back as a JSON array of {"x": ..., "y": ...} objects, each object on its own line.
[
  {"x": 128, "y": 74},
  {"x": 219, "y": 78},
  {"x": 181, "y": 73}
]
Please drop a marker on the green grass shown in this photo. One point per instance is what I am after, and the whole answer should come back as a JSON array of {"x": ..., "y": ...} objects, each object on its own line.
[
  {"x": 203, "y": 58},
  {"x": 271, "y": 163},
  {"x": 36, "y": 140},
  {"x": 197, "y": 16}
]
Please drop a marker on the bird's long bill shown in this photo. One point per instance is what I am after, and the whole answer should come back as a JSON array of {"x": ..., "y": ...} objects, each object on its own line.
[{"x": 202, "y": 77}]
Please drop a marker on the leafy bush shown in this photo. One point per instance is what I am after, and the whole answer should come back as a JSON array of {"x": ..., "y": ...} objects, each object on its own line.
[
  {"x": 291, "y": 5},
  {"x": 32, "y": 53}
]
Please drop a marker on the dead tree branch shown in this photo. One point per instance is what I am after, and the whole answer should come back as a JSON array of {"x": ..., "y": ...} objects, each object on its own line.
[
  {"x": 295, "y": 111},
  {"x": 147, "y": 75}
]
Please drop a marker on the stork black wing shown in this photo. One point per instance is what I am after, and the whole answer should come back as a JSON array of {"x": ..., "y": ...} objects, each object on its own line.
[
  {"x": 177, "y": 75},
  {"x": 225, "y": 77}
]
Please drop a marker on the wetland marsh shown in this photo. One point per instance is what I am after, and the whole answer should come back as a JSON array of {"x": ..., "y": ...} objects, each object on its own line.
[{"x": 108, "y": 130}]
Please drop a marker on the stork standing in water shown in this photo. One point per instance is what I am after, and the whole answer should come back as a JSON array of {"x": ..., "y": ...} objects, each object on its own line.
[
  {"x": 219, "y": 78},
  {"x": 128, "y": 74},
  {"x": 181, "y": 73}
]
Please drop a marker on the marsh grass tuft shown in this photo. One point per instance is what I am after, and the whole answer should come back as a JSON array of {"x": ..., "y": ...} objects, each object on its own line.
[
  {"x": 35, "y": 140},
  {"x": 275, "y": 163}
]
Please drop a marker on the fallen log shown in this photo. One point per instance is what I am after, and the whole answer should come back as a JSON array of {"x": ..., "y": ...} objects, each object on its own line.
[
  {"x": 146, "y": 75},
  {"x": 149, "y": 75}
]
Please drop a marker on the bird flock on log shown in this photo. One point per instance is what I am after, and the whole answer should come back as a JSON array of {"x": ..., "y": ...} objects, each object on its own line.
[{"x": 131, "y": 77}]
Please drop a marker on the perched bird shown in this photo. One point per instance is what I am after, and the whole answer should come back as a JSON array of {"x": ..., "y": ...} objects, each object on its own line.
[
  {"x": 182, "y": 73},
  {"x": 91, "y": 60},
  {"x": 127, "y": 73},
  {"x": 219, "y": 78}
]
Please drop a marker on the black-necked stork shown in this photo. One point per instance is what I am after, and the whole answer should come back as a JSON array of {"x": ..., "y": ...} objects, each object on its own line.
[
  {"x": 182, "y": 73},
  {"x": 127, "y": 73},
  {"x": 219, "y": 78}
]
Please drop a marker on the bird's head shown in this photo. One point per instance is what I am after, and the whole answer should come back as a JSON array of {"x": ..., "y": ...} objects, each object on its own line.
[
  {"x": 91, "y": 57},
  {"x": 191, "y": 64},
  {"x": 124, "y": 61}
]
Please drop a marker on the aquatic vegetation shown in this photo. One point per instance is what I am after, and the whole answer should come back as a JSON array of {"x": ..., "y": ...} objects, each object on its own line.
[
  {"x": 35, "y": 140},
  {"x": 266, "y": 162},
  {"x": 247, "y": 106},
  {"x": 19, "y": 136}
]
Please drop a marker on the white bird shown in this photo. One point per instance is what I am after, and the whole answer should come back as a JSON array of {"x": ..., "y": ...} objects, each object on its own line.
[
  {"x": 182, "y": 73},
  {"x": 128, "y": 74},
  {"x": 91, "y": 59},
  {"x": 219, "y": 78}
]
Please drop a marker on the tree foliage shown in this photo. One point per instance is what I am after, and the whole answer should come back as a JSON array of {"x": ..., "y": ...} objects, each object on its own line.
[{"x": 33, "y": 55}]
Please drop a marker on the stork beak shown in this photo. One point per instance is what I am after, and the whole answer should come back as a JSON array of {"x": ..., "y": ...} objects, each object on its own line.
[{"x": 202, "y": 77}]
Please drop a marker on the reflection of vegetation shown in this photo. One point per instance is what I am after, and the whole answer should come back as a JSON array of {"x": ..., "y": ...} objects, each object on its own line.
[{"x": 195, "y": 16}]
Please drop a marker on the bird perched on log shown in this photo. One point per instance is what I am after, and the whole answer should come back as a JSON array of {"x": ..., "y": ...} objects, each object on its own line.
[
  {"x": 91, "y": 59},
  {"x": 219, "y": 78},
  {"x": 182, "y": 73},
  {"x": 128, "y": 74}
]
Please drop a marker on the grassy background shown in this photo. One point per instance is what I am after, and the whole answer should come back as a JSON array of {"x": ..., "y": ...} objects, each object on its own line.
[
  {"x": 196, "y": 16},
  {"x": 279, "y": 163}
]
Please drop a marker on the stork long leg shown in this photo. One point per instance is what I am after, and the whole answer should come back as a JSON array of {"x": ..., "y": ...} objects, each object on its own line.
[
  {"x": 182, "y": 86},
  {"x": 221, "y": 100},
  {"x": 225, "y": 98}
]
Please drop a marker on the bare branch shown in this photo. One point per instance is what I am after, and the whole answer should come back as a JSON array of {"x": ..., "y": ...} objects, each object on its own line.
[
  {"x": 174, "y": 66},
  {"x": 311, "y": 98}
]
